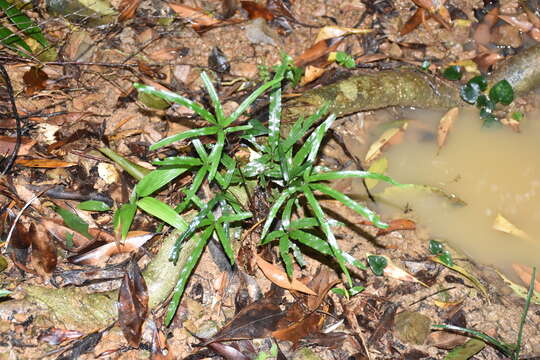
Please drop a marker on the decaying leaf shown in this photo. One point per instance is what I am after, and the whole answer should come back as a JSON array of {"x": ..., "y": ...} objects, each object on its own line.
[
  {"x": 280, "y": 278},
  {"x": 395, "y": 272},
  {"x": 334, "y": 31},
  {"x": 127, "y": 9},
  {"x": 525, "y": 273},
  {"x": 446, "y": 340},
  {"x": 311, "y": 73},
  {"x": 44, "y": 256},
  {"x": 72, "y": 240},
  {"x": 35, "y": 80},
  {"x": 319, "y": 50},
  {"x": 378, "y": 166},
  {"x": 132, "y": 304},
  {"x": 7, "y": 144},
  {"x": 44, "y": 163},
  {"x": 389, "y": 136},
  {"x": 257, "y": 320},
  {"x": 445, "y": 125},
  {"x": 100, "y": 255},
  {"x": 477, "y": 284},
  {"x": 397, "y": 224},
  {"x": 520, "y": 290},
  {"x": 256, "y": 10},
  {"x": 55, "y": 336},
  {"x": 302, "y": 319},
  {"x": 502, "y": 224}
]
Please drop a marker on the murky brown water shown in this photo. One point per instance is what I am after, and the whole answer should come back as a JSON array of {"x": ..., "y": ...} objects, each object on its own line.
[{"x": 494, "y": 170}]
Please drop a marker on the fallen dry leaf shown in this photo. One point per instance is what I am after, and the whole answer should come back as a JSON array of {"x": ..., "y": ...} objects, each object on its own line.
[
  {"x": 390, "y": 135},
  {"x": 7, "y": 144},
  {"x": 132, "y": 304},
  {"x": 280, "y": 278},
  {"x": 127, "y": 9},
  {"x": 334, "y": 31},
  {"x": 502, "y": 224},
  {"x": 100, "y": 255},
  {"x": 525, "y": 274},
  {"x": 317, "y": 51},
  {"x": 445, "y": 124},
  {"x": 44, "y": 163}
]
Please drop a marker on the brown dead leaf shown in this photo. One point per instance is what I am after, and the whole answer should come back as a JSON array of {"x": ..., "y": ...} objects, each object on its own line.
[
  {"x": 418, "y": 18},
  {"x": 257, "y": 320},
  {"x": 160, "y": 350},
  {"x": 44, "y": 163},
  {"x": 80, "y": 242},
  {"x": 334, "y": 31},
  {"x": 482, "y": 35},
  {"x": 319, "y": 50},
  {"x": 280, "y": 8},
  {"x": 389, "y": 136},
  {"x": 44, "y": 258},
  {"x": 280, "y": 278},
  {"x": 518, "y": 22},
  {"x": 132, "y": 304},
  {"x": 197, "y": 17},
  {"x": 445, "y": 124},
  {"x": 55, "y": 336},
  {"x": 19, "y": 247},
  {"x": 127, "y": 9},
  {"x": 35, "y": 80},
  {"x": 311, "y": 73},
  {"x": 7, "y": 144},
  {"x": 397, "y": 224},
  {"x": 100, "y": 255},
  {"x": 302, "y": 319},
  {"x": 256, "y": 10},
  {"x": 525, "y": 274},
  {"x": 445, "y": 340}
]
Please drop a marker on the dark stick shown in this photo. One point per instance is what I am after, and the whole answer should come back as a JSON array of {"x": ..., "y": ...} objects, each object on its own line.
[{"x": 11, "y": 158}]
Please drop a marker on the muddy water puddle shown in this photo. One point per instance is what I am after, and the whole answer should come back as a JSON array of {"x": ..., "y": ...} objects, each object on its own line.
[{"x": 495, "y": 171}]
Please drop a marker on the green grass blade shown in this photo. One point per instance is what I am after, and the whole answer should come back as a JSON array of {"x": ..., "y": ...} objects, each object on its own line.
[
  {"x": 303, "y": 223},
  {"x": 297, "y": 254},
  {"x": 23, "y": 22},
  {"x": 229, "y": 218},
  {"x": 179, "y": 99},
  {"x": 287, "y": 213},
  {"x": 237, "y": 128},
  {"x": 210, "y": 130},
  {"x": 524, "y": 314},
  {"x": 275, "y": 208},
  {"x": 186, "y": 272},
  {"x": 137, "y": 171},
  {"x": 194, "y": 224},
  {"x": 195, "y": 185},
  {"x": 93, "y": 205},
  {"x": 215, "y": 155},
  {"x": 272, "y": 236},
  {"x": 222, "y": 231},
  {"x": 162, "y": 211},
  {"x": 249, "y": 100},
  {"x": 157, "y": 179},
  {"x": 213, "y": 97},
  {"x": 73, "y": 221},
  {"x": 123, "y": 218},
  {"x": 199, "y": 148},
  {"x": 284, "y": 244},
  {"x": 311, "y": 147},
  {"x": 350, "y": 203},
  {"x": 334, "y": 175},
  {"x": 184, "y": 161},
  {"x": 318, "y": 244},
  {"x": 301, "y": 127},
  {"x": 8, "y": 38},
  {"x": 503, "y": 347},
  {"x": 274, "y": 119},
  {"x": 319, "y": 214}
]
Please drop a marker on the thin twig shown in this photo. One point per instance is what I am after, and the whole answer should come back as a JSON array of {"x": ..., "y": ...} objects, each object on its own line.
[{"x": 11, "y": 158}]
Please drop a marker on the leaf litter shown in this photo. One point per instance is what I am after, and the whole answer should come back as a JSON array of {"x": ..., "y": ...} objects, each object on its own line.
[{"x": 102, "y": 79}]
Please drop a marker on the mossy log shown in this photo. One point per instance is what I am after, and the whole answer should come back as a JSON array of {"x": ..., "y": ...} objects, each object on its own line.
[{"x": 408, "y": 88}]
